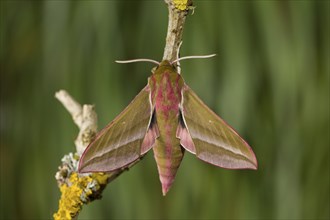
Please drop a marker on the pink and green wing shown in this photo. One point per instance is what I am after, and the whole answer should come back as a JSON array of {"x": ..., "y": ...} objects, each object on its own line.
[
  {"x": 130, "y": 135},
  {"x": 205, "y": 134}
]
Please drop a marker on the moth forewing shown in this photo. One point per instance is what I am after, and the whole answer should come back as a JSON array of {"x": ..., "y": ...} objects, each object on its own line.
[
  {"x": 120, "y": 142},
  {"x": 214, "y": 140}
]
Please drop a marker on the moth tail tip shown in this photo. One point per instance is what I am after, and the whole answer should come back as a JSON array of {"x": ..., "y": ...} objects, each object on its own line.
[{"x": 165, "y": 189}]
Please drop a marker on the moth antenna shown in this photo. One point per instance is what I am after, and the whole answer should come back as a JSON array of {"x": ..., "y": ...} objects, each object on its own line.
[
  {"x": 137, "y": 60},
  {"x": 193, "y": 57}
]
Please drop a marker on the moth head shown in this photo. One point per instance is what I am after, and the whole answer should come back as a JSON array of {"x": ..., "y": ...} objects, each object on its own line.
[{"x": 165, "y": 63}]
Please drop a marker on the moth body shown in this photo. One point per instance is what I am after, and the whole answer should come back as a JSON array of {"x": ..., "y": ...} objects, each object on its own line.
[{"x": 166, "y": 85}]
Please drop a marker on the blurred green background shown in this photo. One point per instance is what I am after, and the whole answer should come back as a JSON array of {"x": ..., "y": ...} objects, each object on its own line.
[{"x": 270, "y": 81}]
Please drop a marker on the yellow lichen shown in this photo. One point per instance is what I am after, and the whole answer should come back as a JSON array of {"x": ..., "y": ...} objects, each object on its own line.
[
  {"x": 101, "y": 178},
  {"x": 181, "y": 4},
  {"x": 77, "y": 193}
]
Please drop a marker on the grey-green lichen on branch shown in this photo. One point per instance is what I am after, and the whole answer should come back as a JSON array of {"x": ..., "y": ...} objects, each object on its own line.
[{"x": 83, "y": 116}]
